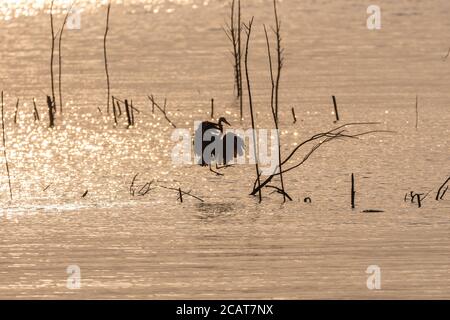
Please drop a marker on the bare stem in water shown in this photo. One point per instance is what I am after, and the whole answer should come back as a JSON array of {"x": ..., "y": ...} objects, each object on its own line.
[
  {"x": 163, "y": 110},
  {"x": 52, "y": 53},
  {"x": 275, "y": 81},
  {"x": 17, "y": 111},
  {"x": 233, "y": 32},
  {"x": 106, "y": 58},
  {"x": 4, "y": 150},
  {"x": 239, "y": 47},
  {"x": 417, "y": 111},
  {"x": 248, "y": 31},
  {"x": 60, "y": 57}
]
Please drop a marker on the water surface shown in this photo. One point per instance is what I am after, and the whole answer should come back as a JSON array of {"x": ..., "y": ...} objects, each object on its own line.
[{"x": 229, "y": 246}]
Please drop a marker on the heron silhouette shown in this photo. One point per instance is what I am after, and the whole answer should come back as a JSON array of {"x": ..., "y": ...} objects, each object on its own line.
[{"x": 231, "y": 144}]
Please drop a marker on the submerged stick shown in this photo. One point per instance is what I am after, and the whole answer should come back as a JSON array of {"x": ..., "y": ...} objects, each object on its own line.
[
  {"x": 35, "y": 111},
  {"x": 106, "y": 57},
  {"x": 128, "y": 112},
  {"x": 114, "y": 111},
  {"x": 212, "y": 108},
  {"x": 335, "y": 108},
  {"x": 154, "y": 104},
  {"x": 417, "y": 111},
  {"x": 419, "y": 199},
  {"x": 132, "y": 112},
  {"x": 353, "y": 191},
  {"x": 439, "y": 194},
  {"x": 17, "y": 110},
  {"x": 117, "y": 103},
  {"x": 118, "y": 107},
  {"x": 293, "y": 115},
  {"x": 183, "y": 192},
  {"x": 4, "y": 150},
  {"x": 51, "y": 112}
]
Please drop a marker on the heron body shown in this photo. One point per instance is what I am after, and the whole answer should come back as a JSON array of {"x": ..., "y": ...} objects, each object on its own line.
[{"x": 209, "y": 136}]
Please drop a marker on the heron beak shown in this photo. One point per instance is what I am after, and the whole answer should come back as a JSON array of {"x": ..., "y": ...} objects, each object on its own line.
[{"x": 225, "y": 121}]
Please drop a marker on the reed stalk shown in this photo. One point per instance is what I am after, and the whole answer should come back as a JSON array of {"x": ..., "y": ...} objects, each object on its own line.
[
  {"x": 4, "y": 149},
  {"x": 248, "y": 31},
  {"x": 275, "y": 79},
  {"x": 60, "y": 57},
  {"x": 106, "y": 57},
  {"x": 52, "y": 78}
]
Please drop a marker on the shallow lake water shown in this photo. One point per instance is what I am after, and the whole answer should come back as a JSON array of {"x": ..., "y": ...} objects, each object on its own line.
[{"x": 229, "y": 245}]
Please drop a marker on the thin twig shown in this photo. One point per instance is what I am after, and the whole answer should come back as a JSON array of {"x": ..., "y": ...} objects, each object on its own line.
[
  {"x": 132, "y": 184},
  {"x": 438, "y": 194},
  {"x": 446, "y": 56},
  {"x": 152, "y": 100},
  {"x": 182, "y": 192}
]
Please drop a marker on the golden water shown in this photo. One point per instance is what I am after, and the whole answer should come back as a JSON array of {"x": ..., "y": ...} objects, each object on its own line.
[{"x": 229, "y": 246}]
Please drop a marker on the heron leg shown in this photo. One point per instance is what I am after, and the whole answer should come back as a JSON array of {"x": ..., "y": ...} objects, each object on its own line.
[
  {"x": 223, "y": 167},
  {"x": 217, "y": 173}
]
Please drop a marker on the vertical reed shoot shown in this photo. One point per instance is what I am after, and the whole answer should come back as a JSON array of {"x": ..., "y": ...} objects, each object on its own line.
[
  {"x": 52, "y": 51},
  {"x": 335, "y": 108},
  {"x": 35, "y": 111},
  {"x": 293, "y": 115},
  {"x": 239, "y": 46},
  {"x": 417, "y": 111},
  {"x": 233, "y": 32},
  {"x": 16, "y": 111},
  {"x": 275, "y": 81},
  {"x": 212, "y": 108},
  {"x": 60, "y": 58},
  {"x": 128, "y": 112},
  {"x": 353, "y": 192},
  {"x": 51, "y": 112},
  {"x": 106, "y": 57},
  {"x": 4, "y": 149},
  {"x": 248, "y": 31}
]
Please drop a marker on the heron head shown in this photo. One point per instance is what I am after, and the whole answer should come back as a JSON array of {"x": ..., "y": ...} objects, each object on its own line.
[{"x": 223, "y": 120}]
